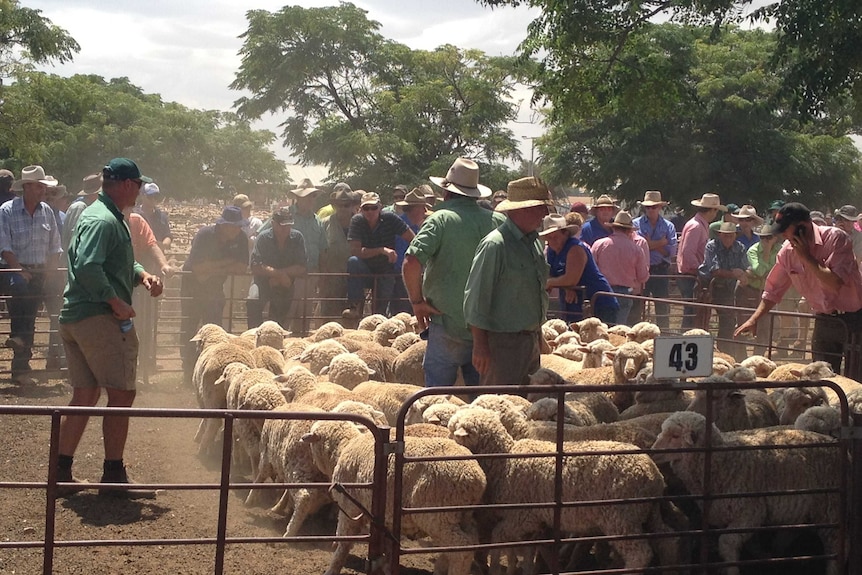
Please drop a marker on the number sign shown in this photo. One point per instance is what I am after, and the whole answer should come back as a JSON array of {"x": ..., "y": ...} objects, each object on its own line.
[{"x": 683, "y": 357}]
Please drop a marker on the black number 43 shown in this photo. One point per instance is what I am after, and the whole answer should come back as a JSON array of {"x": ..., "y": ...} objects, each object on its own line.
[{"x": 676, "y": 360}]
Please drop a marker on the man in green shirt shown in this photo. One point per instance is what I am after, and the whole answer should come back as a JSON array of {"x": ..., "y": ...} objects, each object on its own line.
[
  {"x": 505, "y": 301},
  {"x": 96, "y": 323},
  {"x": 445, "y": 245}
]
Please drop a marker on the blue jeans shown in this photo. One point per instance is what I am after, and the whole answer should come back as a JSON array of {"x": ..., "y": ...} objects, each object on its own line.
[
  {"x": 686, "y": 290},
  {"x": 25, "y": 299},
  {"x": 361, "y": 277},
  {"x": 625, "y": 304},
  {"x": 445, "y": 354},
  {"x": 659, "y": 287}
]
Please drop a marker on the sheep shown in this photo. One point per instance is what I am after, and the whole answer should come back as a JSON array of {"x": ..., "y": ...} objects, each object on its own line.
[
  {"x": 270, "y": 359},
  {"x": 769, "y": 470},
  {"x": 821, "y": 371},
  {"x": 595, "y": 353},
  {"x": 379, "y": 358},
  {"x": 424, "y": 430},
  {"x": 675, "y": 400},
  {"x": 642, "y": 331},
  {"x": 261, "y": 396},
  {"x": 735, "y": 409},
  {"x": 347, "y": 370},
  {"x": 404, "y": 341},
  {"x": 388, "y": 397},
  {"x": 556, "y": 325},
  {"x": 740, "y": 374},
  {"x": 591, "y": 329},
  {"x": 761, "y": 365},
  {"x": 567, "y": 337},
  {"x": 820, "y": 419},
  {"x": 407, "y": 367},
  {"x": 321, "y": 353},
  {"x": 271, "y": 334},
  {"x": 586, "y": 477},
  {"x": 406, "y": 318},
  {"x": 417, "y": 409},
  {"x": 293, "y": 348},
  {"x": 566, "y": 368},
  {"x": 369, "y": 323},
  {"x": 598, "y": 403},
  {"x": 628, "y": 359},
  {"x": 329, "y": 330},
  {"x": 570, "y": 351},
  {"x": 439, "y": 414},
  {"x": 787, "y": 372},
  {"x": 619, "y": 432},
  {"x": 208, "y": 368},
  {"x": 790, "y": 402},
  {"x": 286, "y": 458},
  {"x": 388, "y": 330},
  {"x": 574, "y": 413},
  {"x": 720, "y": 365},
  {"x": 441, "y": 483},
  {"x": 210, "y": 334},
  {"x": 305, "y": 384}
]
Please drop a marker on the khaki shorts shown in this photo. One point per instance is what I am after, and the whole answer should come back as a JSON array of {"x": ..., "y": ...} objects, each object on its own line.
[{"x": 98, "y": 354}]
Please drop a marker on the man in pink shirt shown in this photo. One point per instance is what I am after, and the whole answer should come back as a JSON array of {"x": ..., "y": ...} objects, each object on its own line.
[
  {"x": 623, "y": 262},
  {"x": 692, "y": 245},
  {"x": 818, "y": 261}
]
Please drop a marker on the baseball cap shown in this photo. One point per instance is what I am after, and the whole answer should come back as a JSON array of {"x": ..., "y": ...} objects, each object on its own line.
[
  {"x": 369, "y": 198},
  {"x": 848, "y": 212},
  {"x": 791, "y": 213},
  {"x": 282, "y": 216},
  {"x": 579, "y": 207},
  {"x": 732, "y": 208},
  {"x": 123, "y": 169},
  {"x": 151, "y": 189}
]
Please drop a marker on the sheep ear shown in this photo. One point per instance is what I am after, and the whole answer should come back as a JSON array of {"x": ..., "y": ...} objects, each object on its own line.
[
  {"x": 689, "y": 438},
  {"x": 310, "y": 437},
  {"x": 610, "y": 353},
  {"x": 795, "y": 372},
  {"x": 460, "y": 432},
  {"x": 433, "y": 419},
  {"x": 371, "y": 371},
  {"x": 324, "y": 370},
  {"x": 736, "y": 394}
]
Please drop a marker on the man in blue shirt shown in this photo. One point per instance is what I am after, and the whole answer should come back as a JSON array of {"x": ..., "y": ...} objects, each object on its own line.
[
  {"x": 660, "y": 235},
  {"x": 599, "y": 227}
]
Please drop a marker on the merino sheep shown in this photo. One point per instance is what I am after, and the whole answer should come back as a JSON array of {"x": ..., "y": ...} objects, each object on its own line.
[
  {"x": 416, "y": 411},
  {"x": 769, "y": 470},
  {"x": 439, "y": 414},
  {"x": 270, "y": 359},
  {"x": 574, "y": 413},
  {"x": 790, "y": 402},
  {"x": 370, "y": 322},
  {"x": 443, "y": 483},
  {"x": 788, "y": 372},
  {"x": 570, "y": 351},
  {"x": 404, "y": 341},
  {"x": 379, "y": 358},
  {"x": 567, "y": 337},
  {"x": 735, "y": 409},
  {"x": 556, "y": 325},
  {"x": 586, "y": 477},
  {"x": 407, "y": 367},
  {"x": 820, "y": 419},
  {"x": 591, "y": 329},
  {"x": 271, "y": 334},
  {"x": 595, "y": 353},
  {"x": 643, "y": 331},
  {"x": 388, "y": 330},
  {"x": 761, "y": 365},
  {"x": 329, "y": 330},
  {"x": 319, "y": 354},
  {"x": 599, "y": 404},
  {"x": 347, "y": 370}
]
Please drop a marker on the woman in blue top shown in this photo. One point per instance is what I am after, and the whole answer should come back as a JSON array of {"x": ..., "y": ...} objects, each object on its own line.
[{"x": 575, "y": 267}]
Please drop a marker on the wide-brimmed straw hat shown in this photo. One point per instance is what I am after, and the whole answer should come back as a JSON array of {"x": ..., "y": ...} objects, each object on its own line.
[
  {"x": 525, "y": 193},
  {"x": 748, "y": 212},
  {"x": 652, "y": 198},
  {"x": 604, "y": 201},
  {"x": 763, "y": 230},
  {"x": 305, "y": 188},
  {"x": 727, "y": 228},
  {"x": 33, "y": 174},
  {"x": 623, "y": 219},
  {"x": 847, "y": 212},
  {"x": 342, "y": 196},
  {"x": 92, "y": 185},
  {"x": 554, "y": 223},
  {"x": 711, "y": 201},
  {"x": 242, "y": 201},
  {"x": 463, "y": 178}
]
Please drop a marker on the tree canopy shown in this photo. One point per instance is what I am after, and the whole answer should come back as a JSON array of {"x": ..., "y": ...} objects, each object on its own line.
[
  {"x": 28, "y": 37},
  {"x": 74, "y": 125},
  {"x": 818, "y": 50},
  {"x": 372, "y": 109},
  {"x": 688, "y": 110}
]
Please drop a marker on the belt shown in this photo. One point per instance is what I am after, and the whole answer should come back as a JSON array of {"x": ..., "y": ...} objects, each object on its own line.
[
  {"x": 663, "y": 266},
  {"x": 840, "y": 312},
  {"x": 32, "y": 266},
  {"x": 621, "y": 287}
]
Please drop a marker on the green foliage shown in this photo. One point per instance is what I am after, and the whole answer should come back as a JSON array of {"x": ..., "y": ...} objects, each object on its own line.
[
  {"x": 691, "y": 110},
  {"x": 375, "y": 111},
  {"x": 74, "y": 125},
  {"x": 818, "y": 55},
  {"x": 26, "y": 29}
]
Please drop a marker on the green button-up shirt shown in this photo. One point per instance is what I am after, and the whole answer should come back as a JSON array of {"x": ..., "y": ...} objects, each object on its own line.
[
  {"x": 445, "y": 245},
  {"x": 101, "y": 263},
  {"x": 761, "y": 263},
  {"x": 506, "y": 287}
]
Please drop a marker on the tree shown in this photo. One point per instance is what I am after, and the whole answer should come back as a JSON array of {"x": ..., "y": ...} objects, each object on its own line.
[
  {"x": 74, "y": 125},
  {"x": 691, "y": 110},
  {"x": 819, "y": 41},
  {"x": 372, "y": 109},
  {"x": 25, "y": 29}
]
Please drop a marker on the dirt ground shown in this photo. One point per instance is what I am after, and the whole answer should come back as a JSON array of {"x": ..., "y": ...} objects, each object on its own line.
[{"x": 159, "y": 451}]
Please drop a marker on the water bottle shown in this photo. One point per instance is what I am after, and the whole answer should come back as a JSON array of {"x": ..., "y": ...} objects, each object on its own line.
[{"x": 126, "y": 326}]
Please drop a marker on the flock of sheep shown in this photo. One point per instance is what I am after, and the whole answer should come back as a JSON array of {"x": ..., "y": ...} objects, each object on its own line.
[{"x": 624, "y": 448}]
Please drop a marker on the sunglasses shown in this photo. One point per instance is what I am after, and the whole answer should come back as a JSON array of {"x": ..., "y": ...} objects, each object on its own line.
[
  {"x": 370, "y": 208},
  {"x": 652, "y": 207}
]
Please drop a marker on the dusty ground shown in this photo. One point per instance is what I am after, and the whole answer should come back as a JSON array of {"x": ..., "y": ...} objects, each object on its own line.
[{"x": 159, "y": 451}]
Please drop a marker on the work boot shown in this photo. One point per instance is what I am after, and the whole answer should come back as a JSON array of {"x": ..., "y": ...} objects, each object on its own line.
[
  {"x": 65, "y": 476},
  {"x": 354, "y": 311},
  {"x": 120, "y": 476},
  {"x": 16, "y": 343}
]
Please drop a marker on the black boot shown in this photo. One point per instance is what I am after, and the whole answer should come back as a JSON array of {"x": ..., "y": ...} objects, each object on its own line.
[{"x": 116, "y": 473}]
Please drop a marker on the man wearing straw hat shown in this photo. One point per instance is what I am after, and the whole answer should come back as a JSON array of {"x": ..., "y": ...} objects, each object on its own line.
[
  {"x": 600, "y": 226},
  {"x": 624, "y": 263},
  {"x": 660, "y": 235},
  {"x": 333, "y": 289},
  {"x": 692, "y": 245},
  {"x": 7, "y": 178},
  {"x": 30, "y": 242},
  {"x": 444, "y": 246},
  {"x": 92, "y": 184},
  {"x": 414, "y": 210},
  {"x": 306, "y": 223},
  {"x": 505, "y": 301}
]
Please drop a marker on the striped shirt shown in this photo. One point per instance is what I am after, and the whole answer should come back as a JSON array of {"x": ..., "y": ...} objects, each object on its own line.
[
  {"x": 662, "y": 229},
  {"x": 32, "y": 238}
]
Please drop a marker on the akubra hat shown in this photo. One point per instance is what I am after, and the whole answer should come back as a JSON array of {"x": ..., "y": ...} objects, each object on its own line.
[
  {"x": 304, "y": 189},
  {"x": 463, "y": 178},
  {"x": 727, "y": 228},
  {"x": 653, "y": 198},
  {"x": 92, "y": 185},
  {"x": 604, "y": 201},
  {"x": 525, "y": 193},
  {"x": 33, "y": 174},
  {"x": 748, "y": 212},
  {"x": 711, "y": 201},
  {"x": 847, "y": 212},
  {"x": 554, "y": 223},
  {"x": 341, "y": 196},
  {"x": 763, "y": 230},
  {"x": 415, "y": 197},
  {"x": 623, "y": 219}
]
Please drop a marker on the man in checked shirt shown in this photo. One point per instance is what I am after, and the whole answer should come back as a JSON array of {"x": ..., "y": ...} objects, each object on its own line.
[{"x": 30, "y": 242}]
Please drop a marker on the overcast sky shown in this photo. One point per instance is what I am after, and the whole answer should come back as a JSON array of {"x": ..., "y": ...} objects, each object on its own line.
[{"x": 186, "y": 50}]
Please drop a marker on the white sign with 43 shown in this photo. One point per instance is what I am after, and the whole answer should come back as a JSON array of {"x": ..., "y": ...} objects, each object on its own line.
[{"x": 683, "y": 356}]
